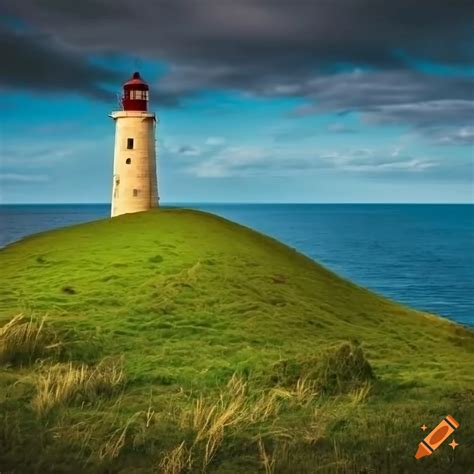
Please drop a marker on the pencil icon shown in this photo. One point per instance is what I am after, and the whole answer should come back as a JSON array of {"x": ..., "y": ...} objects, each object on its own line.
[{"x": 437, "y": 437}]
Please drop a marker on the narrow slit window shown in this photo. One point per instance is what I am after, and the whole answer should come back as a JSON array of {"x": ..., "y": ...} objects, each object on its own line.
[
  {"x": 135, "y": 192},
  {"x": 128, "y": 161},
  {"x": 129, "y": 143}
]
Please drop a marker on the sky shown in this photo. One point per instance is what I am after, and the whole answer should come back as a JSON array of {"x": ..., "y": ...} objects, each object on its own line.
[{"x": 325, "y": 101}]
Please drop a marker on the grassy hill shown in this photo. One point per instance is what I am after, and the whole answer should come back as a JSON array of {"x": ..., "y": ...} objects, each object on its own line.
[{"x": 176, "y": 341}]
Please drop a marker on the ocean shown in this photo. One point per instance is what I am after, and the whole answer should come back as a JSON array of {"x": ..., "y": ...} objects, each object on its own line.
[{"x": 419, "y": 255}]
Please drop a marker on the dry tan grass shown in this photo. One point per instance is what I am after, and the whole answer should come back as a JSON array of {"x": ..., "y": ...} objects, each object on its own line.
[
  {"x": 62, "y": 383},
  {"x": 105, "y": 377},
  {"x": 233, "y": 410},
  {"x": 267, "y": 459},
  {"x": 315, "y": 427},
  {"x": 57, "y": 386},
  {"x": 304, "y": 391},
  {"x": 210, "y": 419},
  {"x": 301, "y": 393},
  {"x": 23, "y": 339},
  {"x": 360, "y": 394},
  {"x": 265, "y": 406},
  {"x": 114, "y": 444},
  {"x": 176, "y": 460},
  {"x": 98, "y": 437}
]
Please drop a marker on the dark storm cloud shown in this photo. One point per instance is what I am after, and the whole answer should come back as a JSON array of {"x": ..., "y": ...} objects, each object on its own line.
[
  {"x": 275, "y": 31},
  {"x": 35, "y": 62},
  {"x": 274, "y": 48}
]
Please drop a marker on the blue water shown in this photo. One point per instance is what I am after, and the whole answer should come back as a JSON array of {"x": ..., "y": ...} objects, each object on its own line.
[{"x": 421, "y": 255}]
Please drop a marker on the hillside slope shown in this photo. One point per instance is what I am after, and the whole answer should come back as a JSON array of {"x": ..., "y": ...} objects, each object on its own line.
[{"x": 189, "y": 302}]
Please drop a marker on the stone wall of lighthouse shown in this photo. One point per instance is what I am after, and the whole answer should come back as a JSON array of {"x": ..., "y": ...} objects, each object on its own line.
[{"x": 134, "y": 179}]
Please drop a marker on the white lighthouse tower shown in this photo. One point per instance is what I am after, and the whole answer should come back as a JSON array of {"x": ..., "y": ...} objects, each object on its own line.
[{"x": 135, "y": 186}]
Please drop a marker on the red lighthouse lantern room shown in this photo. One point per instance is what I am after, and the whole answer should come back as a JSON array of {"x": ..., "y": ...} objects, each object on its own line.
[{"x": 135, "y": 94}]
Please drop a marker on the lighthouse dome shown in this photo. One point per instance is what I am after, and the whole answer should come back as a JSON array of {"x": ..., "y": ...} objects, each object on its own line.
[{"x": 135, "y": 93}]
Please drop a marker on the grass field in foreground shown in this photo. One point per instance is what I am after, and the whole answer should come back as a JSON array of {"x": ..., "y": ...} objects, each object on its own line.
[{"x": 176, "y": 341}]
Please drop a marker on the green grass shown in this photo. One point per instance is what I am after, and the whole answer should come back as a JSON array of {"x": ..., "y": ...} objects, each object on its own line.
[{"x": 238, "y": 355}]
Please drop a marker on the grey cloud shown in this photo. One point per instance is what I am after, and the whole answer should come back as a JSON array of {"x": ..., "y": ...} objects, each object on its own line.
[
  {"x": 365, "y": 89},
  {"x": 37, "y": 61},
  {"x": 392, "y": 97},
  {"x": 188, "y": 150},
  {"x": 340, "y": 128},
  {"x": 424, "y": 114},
  {"x": 270, "y": 47},
  {"x": 248, "y": 31}
]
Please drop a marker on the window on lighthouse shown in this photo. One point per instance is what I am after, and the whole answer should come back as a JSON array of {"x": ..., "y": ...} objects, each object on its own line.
[
  {"x": 129, "y": 143},
  {"x": 138, "y": 95},
  {"x": 128, "y": 161}
]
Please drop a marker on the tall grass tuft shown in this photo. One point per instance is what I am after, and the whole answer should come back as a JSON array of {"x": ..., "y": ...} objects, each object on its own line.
[
  {"x": 360, "y": 394},
  {"x": 210, "y": 419},
  {"x": 233, "y": 410},
  {"x": 267, "y": 459},
  {"x": 339, "y": 369},
  {"x": 61, "y": 384},
  {"x": 114, "y": 444},
  {"x": 105, "y": 378},
  {"x": 22, "y": 340},
  {"x": 301, "y": 393},
  {"x": 57, "y": 386},
  {"x": 344, "y": 367},
  {"x": 304, "y": 391},
  {"x": 176, "y": 460}
]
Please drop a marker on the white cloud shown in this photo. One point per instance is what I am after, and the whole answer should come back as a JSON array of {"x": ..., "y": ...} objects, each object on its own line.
[
  {"x": 31, "y": 154},
  {"x": 245, "y": 161},
  {"x": 230, "y": 161},
  {"x": 22, "y": 178},
  {"x": 338, "y": 127},
  {"x": 215, "y": 141},
  {"x": 462, "y": 136}
]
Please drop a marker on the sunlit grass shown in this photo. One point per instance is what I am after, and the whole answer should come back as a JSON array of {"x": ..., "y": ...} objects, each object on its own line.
[{"x": 240, "y": 355}]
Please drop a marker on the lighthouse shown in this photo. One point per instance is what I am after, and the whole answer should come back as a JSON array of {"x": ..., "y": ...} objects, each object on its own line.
[{"x": 135, "y": 185}]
